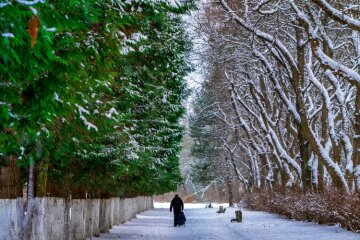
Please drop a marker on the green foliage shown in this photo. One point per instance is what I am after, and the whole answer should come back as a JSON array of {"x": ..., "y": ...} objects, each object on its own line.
[
  {"x": 99, "y": 96},
  {"x": 207, "y": 165}
]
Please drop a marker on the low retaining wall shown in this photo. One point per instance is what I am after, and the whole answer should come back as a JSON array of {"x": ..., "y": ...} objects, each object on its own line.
[
  {"x": 86, "y": 218},
  {"x": 78, "y": 218},
  {"x": 11, "y": 214},
  {"x": 49, "y": 219}
]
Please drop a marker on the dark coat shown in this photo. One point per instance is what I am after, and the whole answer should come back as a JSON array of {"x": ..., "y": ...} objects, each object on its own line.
[{"x": 177, "y": 204}]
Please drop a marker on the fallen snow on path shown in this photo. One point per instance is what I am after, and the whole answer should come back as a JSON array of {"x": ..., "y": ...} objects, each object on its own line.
[{"x": 205, "y": 224}]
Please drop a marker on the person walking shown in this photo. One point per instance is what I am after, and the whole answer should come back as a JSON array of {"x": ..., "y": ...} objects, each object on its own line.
[{"x": 178, "y": 206}]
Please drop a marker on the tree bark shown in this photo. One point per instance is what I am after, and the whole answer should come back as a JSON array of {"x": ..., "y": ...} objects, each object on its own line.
[
  {"x": 229, "y": 182},
  {"x": 299, "y": 82},
  {"x": 356, "y": 145},
  {"x": 27, "y": 221}
]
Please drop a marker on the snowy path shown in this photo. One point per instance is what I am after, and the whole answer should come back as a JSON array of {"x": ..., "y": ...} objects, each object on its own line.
[{"x": 206, "y": 224}]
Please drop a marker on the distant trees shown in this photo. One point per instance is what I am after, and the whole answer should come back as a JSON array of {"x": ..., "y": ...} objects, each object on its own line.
[{"x": 290, "y": 71}]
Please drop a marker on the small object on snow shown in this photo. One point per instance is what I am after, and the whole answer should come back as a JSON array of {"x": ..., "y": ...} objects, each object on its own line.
[
  {"x": 238, "y": 215},
  {"x": 221, "y": 209},
  {"x": 208, "y": 205}
]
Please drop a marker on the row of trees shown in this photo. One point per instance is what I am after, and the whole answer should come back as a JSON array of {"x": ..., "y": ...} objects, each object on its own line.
[
  {"x": 281, "y": 101},
  {"x": 91, "y": 96}
]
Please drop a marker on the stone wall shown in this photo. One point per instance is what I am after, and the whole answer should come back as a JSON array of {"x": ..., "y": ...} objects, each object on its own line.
[
  {"x": 78, "y": 218},
  {"x": 49, "y": 218},
  {"x": 87, "y": 217},
  {"x": 11, "y": 214}
]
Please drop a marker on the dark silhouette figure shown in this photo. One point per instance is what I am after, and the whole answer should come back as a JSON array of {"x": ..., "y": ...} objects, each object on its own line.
[{"x": 178, "y": 206}]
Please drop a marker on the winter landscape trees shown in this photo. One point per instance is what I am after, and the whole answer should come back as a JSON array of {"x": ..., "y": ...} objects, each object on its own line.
[
  {"x": 90, "y": 98},
  {"x": 282, "y": 79}
]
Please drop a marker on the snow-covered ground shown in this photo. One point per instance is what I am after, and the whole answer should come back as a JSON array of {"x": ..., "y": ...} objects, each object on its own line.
[{"x": 205, "y": 224}]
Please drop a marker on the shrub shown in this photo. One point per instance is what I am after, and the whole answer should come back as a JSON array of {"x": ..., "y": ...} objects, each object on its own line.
[{"x": 331, "y": 207}]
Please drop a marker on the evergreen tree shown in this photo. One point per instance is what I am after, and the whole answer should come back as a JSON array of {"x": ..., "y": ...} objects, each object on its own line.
[{"x": 91, "y": 94}]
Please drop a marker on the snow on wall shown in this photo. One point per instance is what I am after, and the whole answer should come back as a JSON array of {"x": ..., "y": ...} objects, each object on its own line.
[
  {"x": 141, "y": 204},
  {"x": 104, "y": 215},
  {"x": 88, "y": 217},
  {"x": 49, "y": 218},
  {"x": 134, "y": 207},
  {"x": 78, "y": 219},
  {"x": 96, "y": 219},
  {"x": 115, "y": 212},
  {"x": 128, "y": 212},
  {"x": 11, "y": 212},
  {"x": 112, "y": 217},
  {"x": 122, "y": 210}
]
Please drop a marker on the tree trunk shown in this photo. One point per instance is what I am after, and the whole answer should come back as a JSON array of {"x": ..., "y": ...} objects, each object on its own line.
[
  {"x": 229, "y": 183},
  {"x": 300, "y": 82},
  {"x": 305, "y": 168},
  {"x": 263, "y": 172},
  {"x": 356, "y": 153},
  {"x": 27, "y": 221}
]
